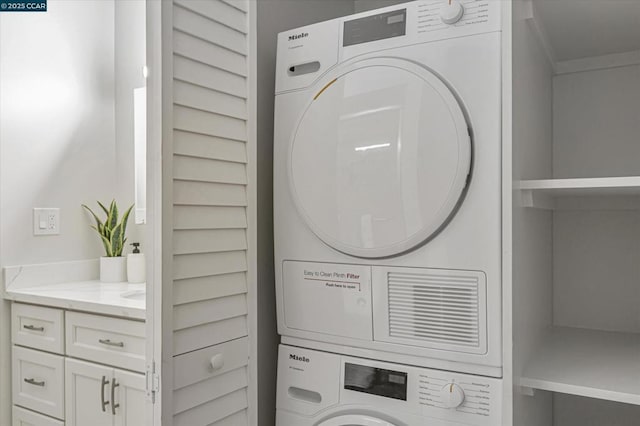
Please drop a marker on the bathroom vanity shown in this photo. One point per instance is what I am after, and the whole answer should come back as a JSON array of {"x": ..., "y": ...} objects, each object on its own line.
[{"x": 78, "y": 347}]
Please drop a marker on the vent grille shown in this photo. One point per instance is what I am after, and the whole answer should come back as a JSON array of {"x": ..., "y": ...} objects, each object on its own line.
[{"x": 434, "y": 307}]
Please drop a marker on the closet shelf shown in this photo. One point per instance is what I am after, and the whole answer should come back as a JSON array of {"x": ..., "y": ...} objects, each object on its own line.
[
  {"x": 541, "y": 193},
  {"x": 594, "y": 364}
]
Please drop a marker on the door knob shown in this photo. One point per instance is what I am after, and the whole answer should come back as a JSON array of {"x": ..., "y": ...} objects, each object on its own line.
[{"x": 217, "y": 362}]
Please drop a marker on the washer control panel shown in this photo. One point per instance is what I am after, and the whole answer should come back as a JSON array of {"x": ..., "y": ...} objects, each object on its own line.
[
  {"x": 313, "y": 382},
  {"x": 451, "y": 12},
  {"x": 468, "y": 395}
]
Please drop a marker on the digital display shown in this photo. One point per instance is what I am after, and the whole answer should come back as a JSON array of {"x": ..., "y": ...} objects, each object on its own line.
[
  {"x": 375, "y": 27},
  {"x": 375, "y": 381}
]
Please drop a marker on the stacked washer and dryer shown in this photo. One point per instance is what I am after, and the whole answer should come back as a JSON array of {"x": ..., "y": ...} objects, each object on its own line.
[{"x": 387, "y": 198}]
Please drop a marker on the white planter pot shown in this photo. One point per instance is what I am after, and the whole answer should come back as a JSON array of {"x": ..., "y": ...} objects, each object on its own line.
[{"x": 113, "y": 269}]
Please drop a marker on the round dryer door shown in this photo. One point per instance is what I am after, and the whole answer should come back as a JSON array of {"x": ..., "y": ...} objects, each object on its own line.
[
  {"x": 380, "y": 158},
  {"x": 355, "y": 420}
]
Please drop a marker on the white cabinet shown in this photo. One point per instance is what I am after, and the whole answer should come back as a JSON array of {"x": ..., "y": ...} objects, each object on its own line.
[
  {"x": 23, "y": 417},
  {"x": 38, "y": 381},
  {"x": 113, "y": 341},
  {"x": 87, "y": 393},
  {"x": 576, "y": 220},
  {"x": 37, "y": 327},
  {"x": 102, "y": 396},
  {"x": 129, "y": 397},
  {"x": 92, "y": 388}
]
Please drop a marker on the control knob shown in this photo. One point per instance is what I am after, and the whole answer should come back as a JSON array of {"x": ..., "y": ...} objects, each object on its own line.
[
  {"x": 452, "y": 395},
  {"x": 451, "y": 12}
]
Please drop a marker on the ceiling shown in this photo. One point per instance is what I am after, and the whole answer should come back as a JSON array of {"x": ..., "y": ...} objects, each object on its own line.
[{"x": 582, "y": 28}]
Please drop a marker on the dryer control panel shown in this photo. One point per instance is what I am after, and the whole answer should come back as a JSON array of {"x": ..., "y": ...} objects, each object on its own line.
[
  {"x": 306, "y": 53},
  {"x": 314, "y": 383}
]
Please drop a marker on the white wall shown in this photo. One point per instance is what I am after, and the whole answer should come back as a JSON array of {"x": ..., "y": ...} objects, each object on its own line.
[
  {"x": 57, "y": 126},
  {"x": 596, "y": 272},
  {"x": 130, "y": 58},
  {"x": 56, "y": 114},
  {"x": 58, "y": 134},
  {"x": 597, "y": 123},
  {"x": 596, "y": 251},
  {"x": 274, "y": 16}
]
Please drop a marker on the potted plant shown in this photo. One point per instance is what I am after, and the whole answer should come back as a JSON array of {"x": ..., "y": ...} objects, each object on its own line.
[{"x": 113, "y": 266}]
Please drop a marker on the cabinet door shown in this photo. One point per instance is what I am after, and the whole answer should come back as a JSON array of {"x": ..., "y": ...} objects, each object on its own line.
[
  {"x": 88, "y": 394},
  {"x": 129, "y": 397}
]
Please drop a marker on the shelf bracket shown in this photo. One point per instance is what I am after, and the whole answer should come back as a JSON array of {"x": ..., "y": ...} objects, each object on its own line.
[
  {"x": 527, "y": 391},
  {"x": 534, "y": 199}
]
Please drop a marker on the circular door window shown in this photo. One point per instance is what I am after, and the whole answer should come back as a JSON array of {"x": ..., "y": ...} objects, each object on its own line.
[
  {"x": 355, "y": 420},
  {"x": 380, "y": 158}
]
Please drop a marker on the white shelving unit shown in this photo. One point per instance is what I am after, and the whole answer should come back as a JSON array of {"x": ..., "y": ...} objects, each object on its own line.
[
  {"x": 590, "y": 363},
  {"x": 575, "y": 242},
  {"x": 542, "y": 193}
]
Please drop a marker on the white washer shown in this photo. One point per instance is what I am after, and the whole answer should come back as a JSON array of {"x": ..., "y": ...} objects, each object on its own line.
[
  {"x": 387, "y": 184},
  {"x": 324, "y": 389}
]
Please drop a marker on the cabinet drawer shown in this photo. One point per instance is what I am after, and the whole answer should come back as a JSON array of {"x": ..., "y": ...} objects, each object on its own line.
[
  {"x": 38, "y": 381},
  {"x": 37, "y": 327},
  {"x": 197, "y": 366},
  {"x": 22, "y": 417},
  {"x": 110, "y": 341}
]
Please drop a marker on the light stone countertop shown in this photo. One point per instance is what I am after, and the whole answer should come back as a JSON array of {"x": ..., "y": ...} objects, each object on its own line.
[
  {"x": 74, "y": 285},
  {"x": 89, "y": 296}
]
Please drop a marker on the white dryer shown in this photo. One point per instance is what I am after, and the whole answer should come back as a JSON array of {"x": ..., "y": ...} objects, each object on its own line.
[
  {"x": 387, "y": 185},
  {"x": 324, "y": 389}
]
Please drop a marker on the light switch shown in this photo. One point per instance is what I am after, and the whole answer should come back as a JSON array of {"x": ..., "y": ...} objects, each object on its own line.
[{"x": 46, "y": 221}]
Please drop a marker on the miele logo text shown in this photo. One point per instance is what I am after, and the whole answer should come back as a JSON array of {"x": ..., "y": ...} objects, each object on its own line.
[
  {"x": 297, "y": 36},
  {"x": 298, "y": 358}
]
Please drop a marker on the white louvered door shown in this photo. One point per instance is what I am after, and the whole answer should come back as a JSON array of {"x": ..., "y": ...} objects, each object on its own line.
[{"x": 208, "y": 212}]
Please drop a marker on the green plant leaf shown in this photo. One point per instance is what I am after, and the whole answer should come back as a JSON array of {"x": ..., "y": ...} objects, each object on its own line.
[
  {"x": 115, "y": 215},
  {"x": 112, "y": 233},
  {"x": 101, "y": 230},
  {"x": 106, "y": 249},
  {"x": 104, "y": 209},
  {"x": 116, "y": 240},
  {"x": 125, "y": 219},
  {"x": 107, "y": 246},
  {"x": 97, "y": 219},
  {"x": 112, "y": 217}
]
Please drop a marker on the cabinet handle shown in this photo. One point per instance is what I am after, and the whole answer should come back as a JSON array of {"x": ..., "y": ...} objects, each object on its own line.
[
  {"x": 105, "y": 382},
  {"x": 114, "y": 385},
  {"x": 35, "y": 382},
  {"x": 110, "y": 343},
  {"x": 32, "y": 327}
]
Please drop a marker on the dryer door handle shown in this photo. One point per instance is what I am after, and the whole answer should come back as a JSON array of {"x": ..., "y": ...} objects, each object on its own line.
[{"x": 304, "y": 395}]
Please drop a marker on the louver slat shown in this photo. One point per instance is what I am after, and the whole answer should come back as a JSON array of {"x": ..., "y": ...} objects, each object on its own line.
[{"x": 434, "y": 308}]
